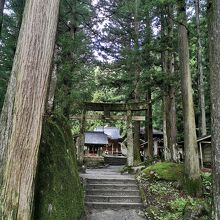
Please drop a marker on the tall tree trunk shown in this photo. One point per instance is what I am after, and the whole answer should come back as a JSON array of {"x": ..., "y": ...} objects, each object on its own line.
[
  {"x": 2, "y": 3},
  {"x": 171, "y": 113},
  {"x": 31, "y": 70},
  {"x": 167, "y": 153},
  {"x": 7, "y": 109},
  {"x": 169, "y": 97},
  {"x": 6, "y": 122},
  {"x": 214, "y": 55},
  {"x": 202, "y": 120},
  {"x": 149, "y": 126},
  {"x": 192, "y": 171},
  {"x": 166, "y": 127},
  {"x": 52, "y": 89},
  {"x": 149, "y": 120},
  {"x": 136, "y": 127},
  {"x": 71, "y": 57},
  {"x": 53, "y": 83}
]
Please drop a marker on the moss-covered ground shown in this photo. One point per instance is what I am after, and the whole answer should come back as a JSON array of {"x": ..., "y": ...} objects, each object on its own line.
[
  {"x": 164, "y": 194},
  {"x": 164, "y": 171},
  {"x": 59, "y": 194}
]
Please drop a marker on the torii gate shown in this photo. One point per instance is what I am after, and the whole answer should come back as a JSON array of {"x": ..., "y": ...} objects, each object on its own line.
[{"x": 107, "y": 108}]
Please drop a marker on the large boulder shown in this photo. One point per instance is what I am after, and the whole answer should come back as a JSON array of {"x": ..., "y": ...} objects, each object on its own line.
[{"x": 59, "y": 193}]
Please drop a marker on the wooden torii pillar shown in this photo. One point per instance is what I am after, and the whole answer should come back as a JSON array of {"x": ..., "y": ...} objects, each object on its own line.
[
  {"x": 107, "y": 108},
  {"x": 130, "y": 140}
]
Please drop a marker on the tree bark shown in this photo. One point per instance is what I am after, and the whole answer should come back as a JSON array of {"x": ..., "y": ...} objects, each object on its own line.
[
  {"x": 53, "y": 83},
  {"x": 166, "y": 128},
  {"x": 52, "y": 89},
  {"x": 7, "y": 109},
  {"x": 2, "y": 4},
  {"x": 172, "y": 142},
  {"x": 149, "y": 126},
  {"x": 214, "y": 54},
  {"x": 82, "y": 138},
  {"x": 148, "y": 113},
  {"x": 167, "y": 153},
  {"x": 30, "y": 75},
  {"x": 6, "y": 122},
  {"x": 136, "y": 127},
  {"x": 202, "y": 120},
  {"x": 192, "y": 171},
  {"x": 169, "y": 97}
]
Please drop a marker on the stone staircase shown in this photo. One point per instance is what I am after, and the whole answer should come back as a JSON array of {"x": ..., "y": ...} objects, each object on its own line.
[{"x": 112, "y": 193}]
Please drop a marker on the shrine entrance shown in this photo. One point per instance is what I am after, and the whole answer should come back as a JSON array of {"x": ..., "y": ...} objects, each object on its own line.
[{"x": 108, "y": 109}]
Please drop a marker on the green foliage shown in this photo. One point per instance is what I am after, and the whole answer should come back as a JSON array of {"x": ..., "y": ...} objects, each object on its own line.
[
  {"x": 153, "y": 211},
  {"x": 193, "y": 204},
  {"x": 179, "y": 204},
  {"x": 176, "y": 209},
  {"x": 207, "y": 184},
  {"x": 75, "y": 72},
  {"x": 164, "y": 171},
  {"x": 59, "y": 193},
  {"x": 159, "y": 189}
]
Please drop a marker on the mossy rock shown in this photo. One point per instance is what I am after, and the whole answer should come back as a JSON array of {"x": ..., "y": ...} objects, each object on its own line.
[
  {"x": 59, "y": 193},
  {"x": 164, "y": 171}
]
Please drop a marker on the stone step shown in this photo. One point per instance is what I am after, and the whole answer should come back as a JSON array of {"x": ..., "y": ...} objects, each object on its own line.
[
  {"x": 119, "y": 187},
  {"x": 112, "y": 192},
  {"x": 113, "y": 199},
  {"x": 111, "y": 181},
  {"x": 117, "y": 206},
  {"x": 115, "y": 160}
]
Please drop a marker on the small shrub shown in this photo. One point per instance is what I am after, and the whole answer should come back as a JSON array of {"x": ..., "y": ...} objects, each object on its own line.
[
  {"x": 152, "y": 212},
  {"x": 178, "y": 204}
]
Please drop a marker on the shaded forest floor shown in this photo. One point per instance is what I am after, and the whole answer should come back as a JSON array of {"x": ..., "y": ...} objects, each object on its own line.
[{"x": 165, "y": 198}]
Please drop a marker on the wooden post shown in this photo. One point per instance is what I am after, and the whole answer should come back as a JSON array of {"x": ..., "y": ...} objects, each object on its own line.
[
  {"x": 81, "y": 138},
  {"x": 130, "y": 147},
  {"x": 201, "y": 157}
]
